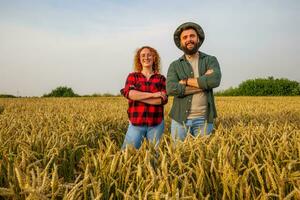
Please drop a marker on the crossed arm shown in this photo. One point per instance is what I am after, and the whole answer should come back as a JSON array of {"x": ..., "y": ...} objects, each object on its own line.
[
  {"x": 131, "y": 92},
  {"x": 180, "y": 88},
  {"x": 155, "y": 98},
  {"x": 192, "y": 86}
]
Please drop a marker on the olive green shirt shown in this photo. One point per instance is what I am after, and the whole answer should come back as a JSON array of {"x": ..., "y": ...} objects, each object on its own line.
[{"x": 181, "y": 69}]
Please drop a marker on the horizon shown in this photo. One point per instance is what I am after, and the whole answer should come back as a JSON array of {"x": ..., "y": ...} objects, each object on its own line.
[{"x": 118, "y": 93}]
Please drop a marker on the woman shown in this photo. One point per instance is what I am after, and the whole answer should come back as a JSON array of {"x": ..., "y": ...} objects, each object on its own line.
[{"x": 145, "y": 90}]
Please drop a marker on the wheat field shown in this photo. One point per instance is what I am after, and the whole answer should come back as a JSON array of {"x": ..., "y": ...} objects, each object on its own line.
[{"x": 69, "y": 148}]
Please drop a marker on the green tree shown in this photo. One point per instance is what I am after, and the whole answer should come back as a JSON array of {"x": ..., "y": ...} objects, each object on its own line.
[
  {"x": 7, "y": 96},
  {"x": 264, "y": 87},
  {"x": 61, "y": 91}
]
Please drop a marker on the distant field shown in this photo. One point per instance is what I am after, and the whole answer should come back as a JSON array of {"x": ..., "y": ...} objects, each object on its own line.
[{"x": 69, "y": 148}]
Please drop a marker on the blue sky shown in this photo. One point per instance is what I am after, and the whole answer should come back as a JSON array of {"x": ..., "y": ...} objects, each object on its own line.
[{"x": 89, "y": 45}]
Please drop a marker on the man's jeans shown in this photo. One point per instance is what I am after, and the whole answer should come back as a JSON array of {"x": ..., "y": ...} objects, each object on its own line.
[
  {"x": 193, "y": 126},
  {"x": 136, "y": 134}
]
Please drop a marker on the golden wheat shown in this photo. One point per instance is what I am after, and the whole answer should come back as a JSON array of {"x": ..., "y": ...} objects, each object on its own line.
[{"x": 69, "y": 148}]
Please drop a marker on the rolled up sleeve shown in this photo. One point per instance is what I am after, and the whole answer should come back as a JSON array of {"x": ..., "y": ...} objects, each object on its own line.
[
  {"x": 213, "y": 80},
  {"x": 129, "y": 85},
  {"x": 173, "y": 86},
  {"x": 163, "y": 83}
]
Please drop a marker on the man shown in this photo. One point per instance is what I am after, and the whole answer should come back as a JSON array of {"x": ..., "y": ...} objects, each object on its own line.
[{"x": 191, "y": 80}]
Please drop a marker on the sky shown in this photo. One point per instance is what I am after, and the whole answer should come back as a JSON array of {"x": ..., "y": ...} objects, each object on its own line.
[{"x": 89, "y": 45}]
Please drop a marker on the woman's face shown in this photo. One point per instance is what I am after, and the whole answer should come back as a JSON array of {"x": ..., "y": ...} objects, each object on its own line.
[{"x": 146, "y": 58}]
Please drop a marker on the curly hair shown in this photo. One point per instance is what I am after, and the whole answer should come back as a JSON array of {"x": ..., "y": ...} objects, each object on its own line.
[{"x": 156, "y": 60}]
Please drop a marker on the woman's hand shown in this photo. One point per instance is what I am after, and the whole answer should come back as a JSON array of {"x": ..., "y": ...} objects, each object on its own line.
[{"x": 160, "y": 95}]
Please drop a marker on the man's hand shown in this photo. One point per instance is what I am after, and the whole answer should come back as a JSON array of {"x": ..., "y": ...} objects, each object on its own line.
[
  {"x": 183, "y": 82},
  {"x": 193, "y": 81},
  {"x": 209, "y": 71}
]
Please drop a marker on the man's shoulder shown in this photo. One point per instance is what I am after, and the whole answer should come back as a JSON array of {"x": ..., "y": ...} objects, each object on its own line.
[
  {"x": 203, "y": 55},
  {"x": 176, "y": 62},
  {"x": 206, "y": 56}
]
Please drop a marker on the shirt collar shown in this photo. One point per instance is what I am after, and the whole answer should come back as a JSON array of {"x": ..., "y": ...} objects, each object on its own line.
[{"x": 183, "y": 58}]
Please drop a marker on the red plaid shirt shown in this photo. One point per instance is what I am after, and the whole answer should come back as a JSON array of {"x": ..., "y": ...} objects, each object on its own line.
[{"x": 140, "y": 113}]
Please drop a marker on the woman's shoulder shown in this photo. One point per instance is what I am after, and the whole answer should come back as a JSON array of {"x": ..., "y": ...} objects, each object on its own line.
[
  {"x": 160, "y": 77},
  {"x": 133, "y": 74}
]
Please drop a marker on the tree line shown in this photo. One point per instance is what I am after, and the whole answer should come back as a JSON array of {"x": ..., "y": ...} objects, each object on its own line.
[
  {"x": 264, "y": 87},
  {"x": 64, "y": 91},
  {"x": 251, "y": 87}
]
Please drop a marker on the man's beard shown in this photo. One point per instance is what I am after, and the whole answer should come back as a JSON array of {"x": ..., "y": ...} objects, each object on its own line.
[{"x": 190, "y": 51}]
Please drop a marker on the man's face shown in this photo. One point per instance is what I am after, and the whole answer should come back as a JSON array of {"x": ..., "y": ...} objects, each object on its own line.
[{"x": 189, "y": 41}]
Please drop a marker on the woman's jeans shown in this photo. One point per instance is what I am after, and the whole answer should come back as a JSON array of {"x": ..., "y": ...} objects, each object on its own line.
[
  {"x": 136, "y": 134},
  {"x": 193, "y": 126}
]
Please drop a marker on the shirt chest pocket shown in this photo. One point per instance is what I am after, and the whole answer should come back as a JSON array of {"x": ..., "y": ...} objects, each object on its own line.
[
  {"x": 203, "y": 67},
  {"x": 137, "y": 85},
  {"x": 140, "y": 87},
  {"x": 148, "y": 87},
  {"x": 185, "y": 71},
  {"x": 155, "y": 87}
]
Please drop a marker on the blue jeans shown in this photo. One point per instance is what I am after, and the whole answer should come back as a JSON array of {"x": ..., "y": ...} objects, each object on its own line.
[
  {"x": 193, "y": 126},
  {"x": 136, "y": 134}
]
